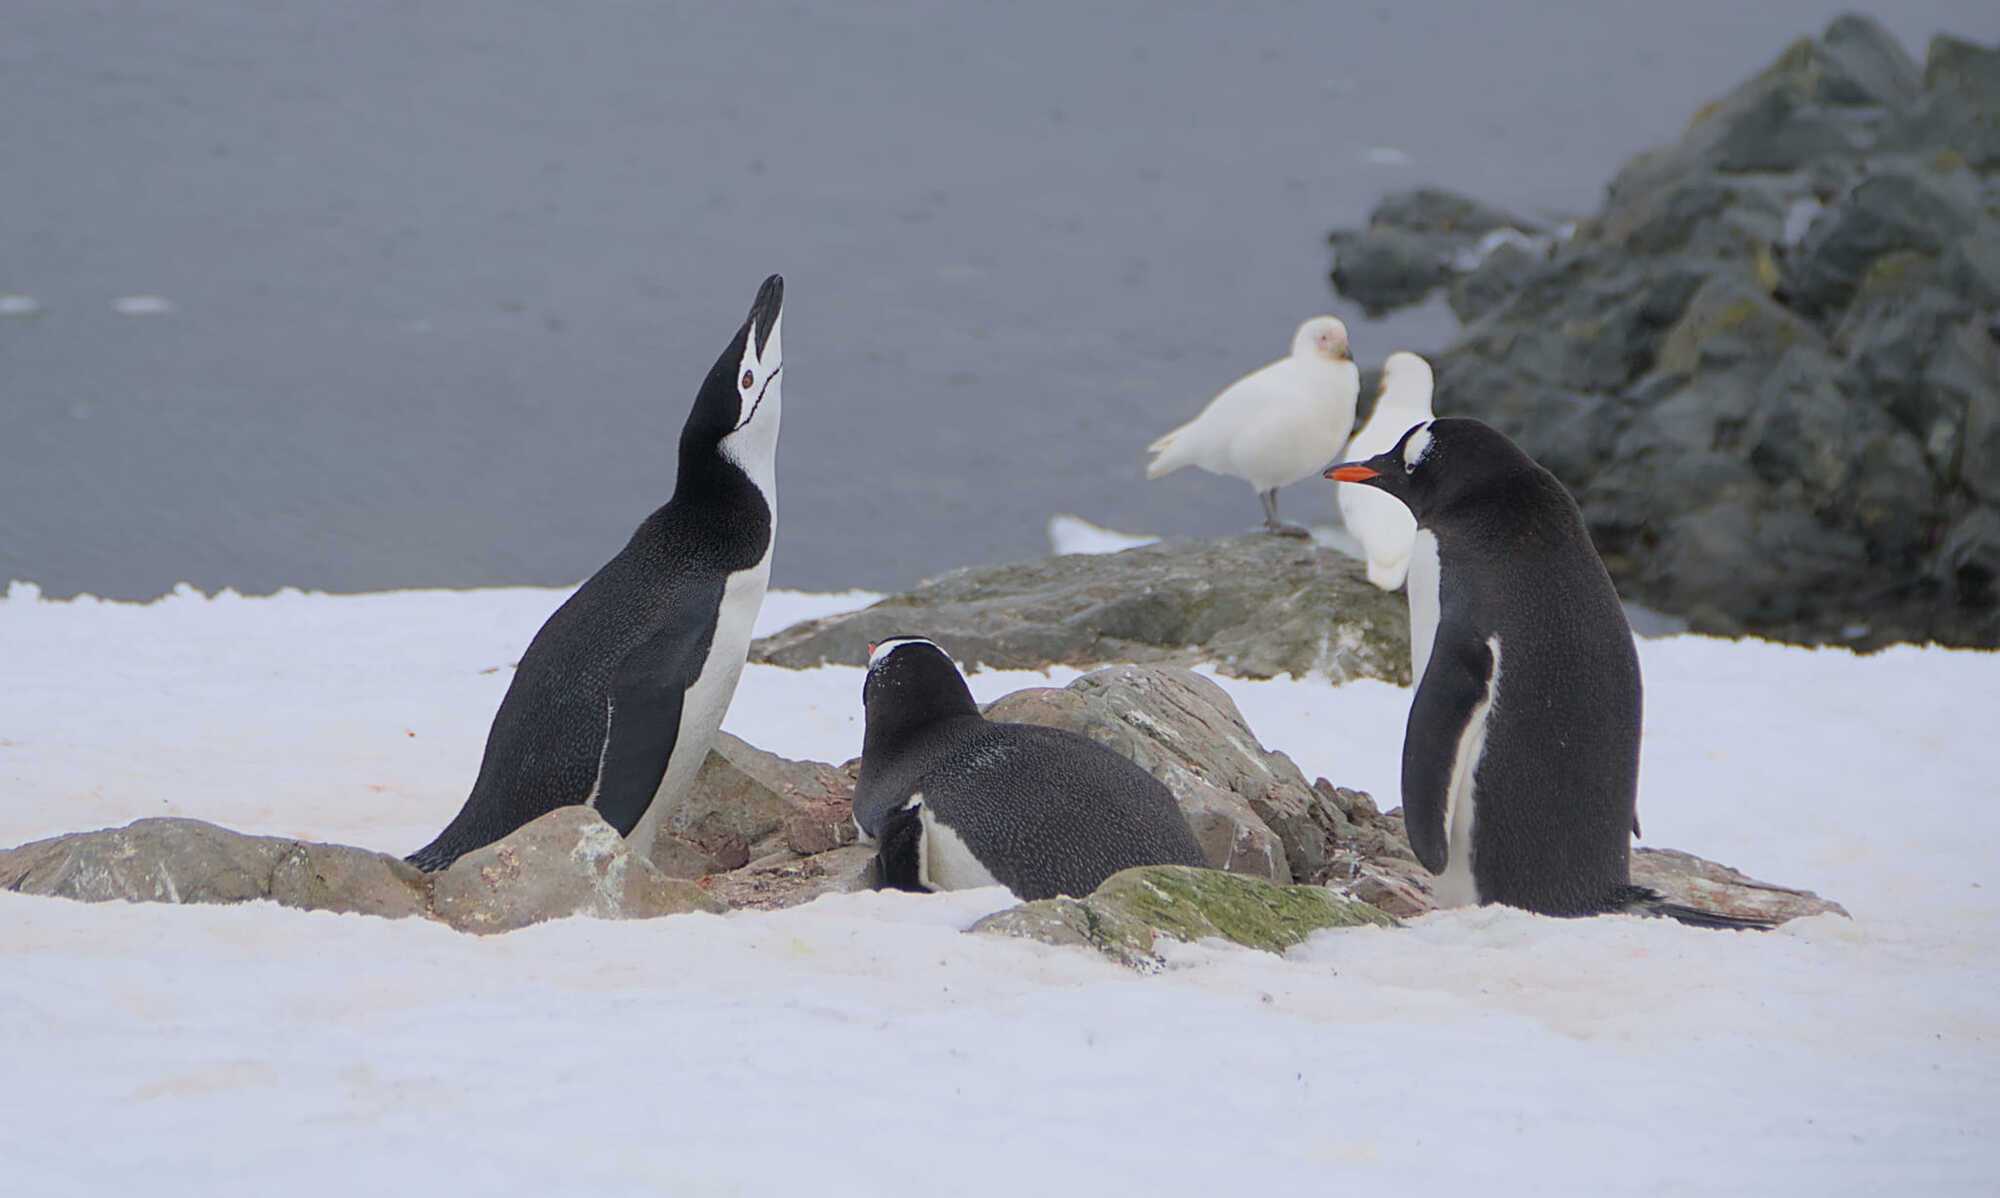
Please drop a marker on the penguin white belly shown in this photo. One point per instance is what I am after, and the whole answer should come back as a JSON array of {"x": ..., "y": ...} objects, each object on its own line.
[
  {"x": 944, "y": 860},
  {"x": 707, "y": 701},
  {"x": 1425, "y": 603},
  {"x": 1456, "y": 887}
]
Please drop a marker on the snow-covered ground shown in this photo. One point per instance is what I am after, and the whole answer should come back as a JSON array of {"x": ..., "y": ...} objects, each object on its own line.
[{"x": 861, "y": 1045}]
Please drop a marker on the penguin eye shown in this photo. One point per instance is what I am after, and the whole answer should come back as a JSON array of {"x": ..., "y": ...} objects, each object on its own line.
[{"x": 748, "y": 378}]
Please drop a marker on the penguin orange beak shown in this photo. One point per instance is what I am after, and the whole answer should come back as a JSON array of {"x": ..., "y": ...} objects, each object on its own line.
[{"x": 1353, "y": 473}]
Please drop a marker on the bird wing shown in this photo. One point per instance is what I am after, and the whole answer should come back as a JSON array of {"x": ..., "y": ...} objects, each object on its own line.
[
  {"x": 644, "y": 716},
  {"x": 1453, "y": 686}
]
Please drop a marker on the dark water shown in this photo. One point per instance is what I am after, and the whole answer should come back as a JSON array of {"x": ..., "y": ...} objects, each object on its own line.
[{"x": 444, "y": 275}]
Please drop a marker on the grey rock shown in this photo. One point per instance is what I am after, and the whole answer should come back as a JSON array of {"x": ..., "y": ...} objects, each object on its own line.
[
  {"x": 1968, "y": 567},
  {"x": 1492, "y": 283},
  {"x": 1728, "y": 322},
  {"x": 1417, "y": 241},
  {"x": 1863, "y": 63},
  {"x": 1959, "y": 113},
  {"x": 568, "y": 862},
  {"x": 787, "y": 882},
  {"x": 1126, "y": 918},
  {"x": 1687, "y": 879},
  {"x": 1435, "y": 210},
  {"x": 1895, "y": 210},
  {"x": 1964, "y": 377},
  {"x": 746, "y": 804},
  {"x": 1253, "y": 606},
  {"x": 1250, "y": 808},
  {"x": 189, "y": 861},
  {"x": 1386, "y": 269}
]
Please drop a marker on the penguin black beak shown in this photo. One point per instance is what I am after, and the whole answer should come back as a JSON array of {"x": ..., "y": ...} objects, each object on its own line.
[
  {"x": 764, "y": 311},
  {"x": 1352, "y": 472}
]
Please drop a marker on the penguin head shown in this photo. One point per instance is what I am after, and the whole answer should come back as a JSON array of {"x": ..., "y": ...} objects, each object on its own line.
[
  {"x": 736, "y": 413},
  {"x": 1436, "y": 462},
  {"x": 1406, "y": 382},
  {"x": 911, "y": 681},
  {"x": 1322, "y": 337}
]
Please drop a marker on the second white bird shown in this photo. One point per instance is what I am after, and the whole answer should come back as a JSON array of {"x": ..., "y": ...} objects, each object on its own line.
[{"x": 1383, "y": 525}]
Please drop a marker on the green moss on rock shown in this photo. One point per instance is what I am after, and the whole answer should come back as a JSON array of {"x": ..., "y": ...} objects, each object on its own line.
[{"x": 1125, "y": 917}]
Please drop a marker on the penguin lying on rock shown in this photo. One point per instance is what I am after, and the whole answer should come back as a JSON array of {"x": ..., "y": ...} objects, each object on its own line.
[
  {"x": 618, "y": 696},
  {"x": 1521, "y": 756},
  {"x": 955, "y": 801}
]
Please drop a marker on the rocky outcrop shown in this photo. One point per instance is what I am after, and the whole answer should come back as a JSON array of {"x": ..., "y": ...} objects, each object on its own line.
[
  {"x": 188, "y": 861},
  {"x": 1767, "y": 367},
  {"x": 1253, "y": 606},
  {"x": 1126, "y": 918},
  {"x": 569, "y": 862},
  {"x": 747, "y": 805}
]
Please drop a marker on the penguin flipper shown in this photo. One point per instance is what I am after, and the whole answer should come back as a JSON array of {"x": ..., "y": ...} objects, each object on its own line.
[
  {"x": 899, "y": 852},
  {"x": 644, "y": 723},
  {"x": 1453, "y": 686}
]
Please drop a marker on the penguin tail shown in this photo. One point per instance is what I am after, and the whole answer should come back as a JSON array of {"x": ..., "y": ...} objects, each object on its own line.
[
  {"x": 432, "y": 858},
  {"x": 1641, "y": 900}
]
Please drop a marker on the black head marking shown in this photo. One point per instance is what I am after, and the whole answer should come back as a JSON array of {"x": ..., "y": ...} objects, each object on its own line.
[
  {"x": 1436, "y": 462},
  {"x": 722, "y": 406}
]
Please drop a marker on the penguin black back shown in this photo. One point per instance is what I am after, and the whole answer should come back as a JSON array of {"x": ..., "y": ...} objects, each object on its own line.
[
  {"x": 632, "y": 670},
  {"x": 955, "y": 800},
  {"x": 1526, "y": 721}
]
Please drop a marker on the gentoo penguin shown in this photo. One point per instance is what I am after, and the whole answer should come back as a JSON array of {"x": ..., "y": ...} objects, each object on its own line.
[
  {"x": 1384, "y": 526},
  {"x": 618, "y": 696},
  {"x": 1521, "y": 755},
  {"x": 1277, "y": 425},
  {"x": 955, "y": 801}
]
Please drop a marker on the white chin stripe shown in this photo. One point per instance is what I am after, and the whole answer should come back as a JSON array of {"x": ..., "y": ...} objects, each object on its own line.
[
  {"x": 885, "y": 648},
  {"x": 1416, "y": 447}
]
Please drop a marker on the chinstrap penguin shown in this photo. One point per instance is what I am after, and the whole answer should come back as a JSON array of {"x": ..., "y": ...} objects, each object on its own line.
[
  {"x": 1521, "y": 755},
  {"x": 954, "y": 801},
  {"x": 618, "y": 696},
  {"x": 1277, "y": 425},
  {"x": 1383, "y": 525}
]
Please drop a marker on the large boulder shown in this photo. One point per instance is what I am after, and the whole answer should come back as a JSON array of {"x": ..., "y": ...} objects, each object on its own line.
[
  {"x": 1253, "y": 606},
  {"x": 1134, "y": 910},
  {"x": 747, "y": 804},
  {"x": 1767, "y": 366},
  {"x": 189, "y": 861},
  {"x": 568, "y": 862},
  {"x": 1252, "y": 810}
]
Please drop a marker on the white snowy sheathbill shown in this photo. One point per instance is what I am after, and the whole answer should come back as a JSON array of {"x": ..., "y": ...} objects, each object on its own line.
[
  {"x": 1276, "y": 426},
  {"x": 618, "y": 696},
  {"x": 1383, "y": 525}
]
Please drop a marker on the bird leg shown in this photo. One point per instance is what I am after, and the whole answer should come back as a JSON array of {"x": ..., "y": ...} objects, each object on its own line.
[{"x": 1272, "y": 524}]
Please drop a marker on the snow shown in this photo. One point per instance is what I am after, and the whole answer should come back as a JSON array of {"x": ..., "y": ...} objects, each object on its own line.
[
  {"x": 1073, "y": 534},
  {"x": 863, "y": 1042}
]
